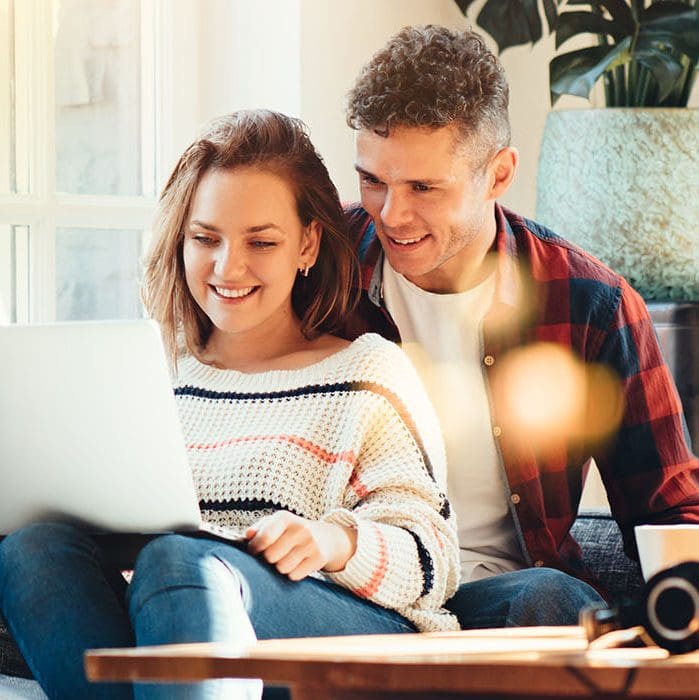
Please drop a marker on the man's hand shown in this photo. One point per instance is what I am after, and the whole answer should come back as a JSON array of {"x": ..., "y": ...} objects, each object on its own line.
[{"x": 297, "y": 547}]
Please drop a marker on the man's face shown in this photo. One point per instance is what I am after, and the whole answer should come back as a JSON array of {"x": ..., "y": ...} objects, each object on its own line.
[{"x": 434, "y": 214}]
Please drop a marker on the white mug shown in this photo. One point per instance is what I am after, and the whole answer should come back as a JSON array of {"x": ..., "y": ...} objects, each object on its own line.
[{"x": 662, "y": 546}]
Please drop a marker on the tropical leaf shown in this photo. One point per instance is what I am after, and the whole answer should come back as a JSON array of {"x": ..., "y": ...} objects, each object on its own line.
[
  {"x": 575, "y": 72},
  {"x": 514, "y": 22},
  {"x": 618, "y": 9},
  {"x": 511, "y": 23},
  {"x": 464, "y": 5},
  {"x": 551, "y": 12},
  {"x": 664, "y": 67},
  {"x": 572, "y": 23},
  {"x": 678, "y": 29},
  {"x": 648, "y": 55}
]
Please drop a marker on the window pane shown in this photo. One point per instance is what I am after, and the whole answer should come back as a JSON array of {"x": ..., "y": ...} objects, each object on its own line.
[
  {"x": 98, "y": 273},
  {"x": 14, "y": 274},
  {"x": 99, "y": 144},
  {"x": 14, "y": 94},
  {"x": 6, "y": 101}
]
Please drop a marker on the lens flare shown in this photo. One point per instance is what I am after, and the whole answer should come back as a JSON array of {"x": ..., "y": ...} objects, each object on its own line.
[{"x": 547, "y": 397}]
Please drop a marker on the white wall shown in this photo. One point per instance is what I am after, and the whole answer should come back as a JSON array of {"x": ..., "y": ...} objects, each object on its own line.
[
  {"x": 301, "y": 57},
  {"x": 255, "y": 48},
  {"x": 337, "y": 39}
]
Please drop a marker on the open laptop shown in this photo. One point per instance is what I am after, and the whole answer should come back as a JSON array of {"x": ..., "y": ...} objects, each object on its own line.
[{"x": 89, "y": 431}]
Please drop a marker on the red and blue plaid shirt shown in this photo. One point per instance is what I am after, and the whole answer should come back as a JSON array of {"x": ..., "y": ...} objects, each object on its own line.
[{"x": 557, "y": 293}]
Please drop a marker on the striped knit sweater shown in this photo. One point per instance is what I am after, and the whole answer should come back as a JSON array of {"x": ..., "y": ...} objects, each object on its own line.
[{"x": 350, "y": 440}]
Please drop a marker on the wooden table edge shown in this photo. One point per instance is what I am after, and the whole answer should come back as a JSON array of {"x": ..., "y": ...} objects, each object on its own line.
[{"x": 558, "y": 675}]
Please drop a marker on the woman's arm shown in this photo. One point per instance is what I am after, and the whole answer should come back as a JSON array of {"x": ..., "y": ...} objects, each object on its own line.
[{"x": 407, "y": 550}]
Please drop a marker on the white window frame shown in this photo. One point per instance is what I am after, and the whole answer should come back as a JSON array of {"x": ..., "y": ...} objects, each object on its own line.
[{"x": 43, "y": 209}]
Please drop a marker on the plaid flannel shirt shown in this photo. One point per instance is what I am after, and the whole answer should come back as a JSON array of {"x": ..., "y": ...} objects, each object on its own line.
[{"x": 560, "y": 294}]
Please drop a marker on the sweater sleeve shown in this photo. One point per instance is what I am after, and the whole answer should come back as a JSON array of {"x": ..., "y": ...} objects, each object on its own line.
[{"x": 407, "y": 550}]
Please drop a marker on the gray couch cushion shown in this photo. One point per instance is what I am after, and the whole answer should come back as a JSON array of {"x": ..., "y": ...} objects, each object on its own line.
[
  {"x": 600, "y": 539},
  {"x": 11, "y": 661}
]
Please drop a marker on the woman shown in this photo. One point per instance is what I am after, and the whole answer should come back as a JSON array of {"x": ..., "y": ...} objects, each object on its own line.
[{"x": 323, "y": 453}]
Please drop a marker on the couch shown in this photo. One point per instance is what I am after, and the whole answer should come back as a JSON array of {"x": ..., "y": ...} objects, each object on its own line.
[{"x": 595, "y": 530}]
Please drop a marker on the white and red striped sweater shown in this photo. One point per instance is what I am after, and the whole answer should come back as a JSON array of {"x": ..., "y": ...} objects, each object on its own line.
[{"x": 352, "y": 440}]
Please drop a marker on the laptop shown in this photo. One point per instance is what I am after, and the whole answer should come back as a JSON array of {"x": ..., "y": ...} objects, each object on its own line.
[{"x": 89, "y": 431}]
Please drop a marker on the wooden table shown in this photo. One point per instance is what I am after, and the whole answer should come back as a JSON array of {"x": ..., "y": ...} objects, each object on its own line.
[{"x": 535, "y": 662}]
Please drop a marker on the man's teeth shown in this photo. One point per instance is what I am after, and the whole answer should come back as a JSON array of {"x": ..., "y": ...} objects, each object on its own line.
[
  {"x": 407, "y": 241},
  {"x": 234, "y": 293}
]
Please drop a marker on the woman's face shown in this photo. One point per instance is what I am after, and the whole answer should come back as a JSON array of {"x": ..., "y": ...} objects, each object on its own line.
[{"x": 243, "y": 246}]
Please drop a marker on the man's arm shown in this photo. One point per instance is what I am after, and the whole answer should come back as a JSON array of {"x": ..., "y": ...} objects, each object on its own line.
[{"x": 650, "y": 473}]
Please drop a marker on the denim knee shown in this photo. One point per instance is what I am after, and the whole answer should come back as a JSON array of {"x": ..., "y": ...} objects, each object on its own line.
[
  {"x": 554, "y": 584},
  {"x": 156, "y": 566},
  {"x": 551, "y": 597},
  {"x": 38, "y": 538},
  {"x": 168, "y": 562},
  {"x": 22, "y": 551}
]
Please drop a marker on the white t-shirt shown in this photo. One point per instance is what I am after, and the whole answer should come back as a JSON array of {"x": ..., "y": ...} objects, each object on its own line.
[{"x": 442, "y": 335}]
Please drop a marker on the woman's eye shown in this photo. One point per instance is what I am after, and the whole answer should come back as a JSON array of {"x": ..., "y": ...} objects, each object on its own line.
[
  {"x": 263, "y": 244},
  {"x": 204, "y": 240}
]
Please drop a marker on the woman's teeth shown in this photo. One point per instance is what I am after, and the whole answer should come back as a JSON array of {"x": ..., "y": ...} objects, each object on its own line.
[{"x": 233, "y": 293}]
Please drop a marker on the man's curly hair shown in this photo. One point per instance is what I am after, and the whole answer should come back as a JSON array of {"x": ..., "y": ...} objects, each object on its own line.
[{"x": 431, "y": 76}]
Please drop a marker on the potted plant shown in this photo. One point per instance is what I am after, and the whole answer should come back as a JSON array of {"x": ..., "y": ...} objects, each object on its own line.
[{"x": 622, "y": 181}]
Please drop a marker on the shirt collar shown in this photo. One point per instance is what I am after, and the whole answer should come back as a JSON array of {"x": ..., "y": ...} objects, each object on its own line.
[{"x": 508, "y": 283}]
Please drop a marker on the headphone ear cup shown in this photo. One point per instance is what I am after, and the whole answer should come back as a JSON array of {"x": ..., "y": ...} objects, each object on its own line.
[{"x": 670, "y": 608}]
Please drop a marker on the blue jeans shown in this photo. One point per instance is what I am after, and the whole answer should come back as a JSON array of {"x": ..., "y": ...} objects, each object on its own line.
[
  {"x": 521, "y": 599},
  {"x": 59, "y": 597}
]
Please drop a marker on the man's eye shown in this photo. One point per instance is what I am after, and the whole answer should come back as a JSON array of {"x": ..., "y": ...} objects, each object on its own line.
[
  {"x": 420, "y": 187},
  {"x": 370, "y": 180}
]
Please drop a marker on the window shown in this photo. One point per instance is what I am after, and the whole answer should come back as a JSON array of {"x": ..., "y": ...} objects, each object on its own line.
[{"x": 82, "y": 86}]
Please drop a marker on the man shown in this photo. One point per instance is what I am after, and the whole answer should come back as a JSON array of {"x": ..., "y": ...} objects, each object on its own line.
[{"x": 487, "y": 297}]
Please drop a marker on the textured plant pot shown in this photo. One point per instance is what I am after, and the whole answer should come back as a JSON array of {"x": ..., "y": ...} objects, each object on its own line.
[{"x": 623, "y": 183}]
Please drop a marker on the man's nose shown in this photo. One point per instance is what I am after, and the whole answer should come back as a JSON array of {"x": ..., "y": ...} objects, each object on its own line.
[{"x": 395, "y": 211}]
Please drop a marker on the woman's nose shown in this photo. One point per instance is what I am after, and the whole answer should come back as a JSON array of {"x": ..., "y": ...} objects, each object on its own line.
[{"x": 230, "y": 262}]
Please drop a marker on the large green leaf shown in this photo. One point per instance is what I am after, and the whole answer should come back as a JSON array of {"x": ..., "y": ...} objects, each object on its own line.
[
  {"x": 464, "y": 4},
  {"x": 551, "y": 12},
  {"x": 575, "y": 72},
  {"x": 619, "y": 10},
  {"x": 514, "y": 22},
  {"x": 673, "y": 24},
  {"x": 511, "y": 23},
  {"x": 665, "y": 69},
  {"x": 572, "y": 23}
]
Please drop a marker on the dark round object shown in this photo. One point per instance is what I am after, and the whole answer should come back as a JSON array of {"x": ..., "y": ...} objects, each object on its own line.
[{"x": 670, "y": 608}]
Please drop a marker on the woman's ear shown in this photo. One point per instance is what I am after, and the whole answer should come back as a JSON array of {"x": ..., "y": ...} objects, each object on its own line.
[{"x": 310, "y": 244}]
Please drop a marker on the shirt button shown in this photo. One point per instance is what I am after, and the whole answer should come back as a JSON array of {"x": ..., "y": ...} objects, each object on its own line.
[
  {"x": 515, "y": 498},
  {"x": 538, "y": 562},
  {"x": 497, "y": 430},
  {"x": 489, "y": 360}
]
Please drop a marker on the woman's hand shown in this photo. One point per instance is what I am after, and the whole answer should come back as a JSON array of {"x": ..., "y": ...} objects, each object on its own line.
[{"x": 297, "y": 546}]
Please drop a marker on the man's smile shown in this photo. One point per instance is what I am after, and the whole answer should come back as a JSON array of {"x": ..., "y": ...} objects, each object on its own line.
[{"x": 407, "y": 242}]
